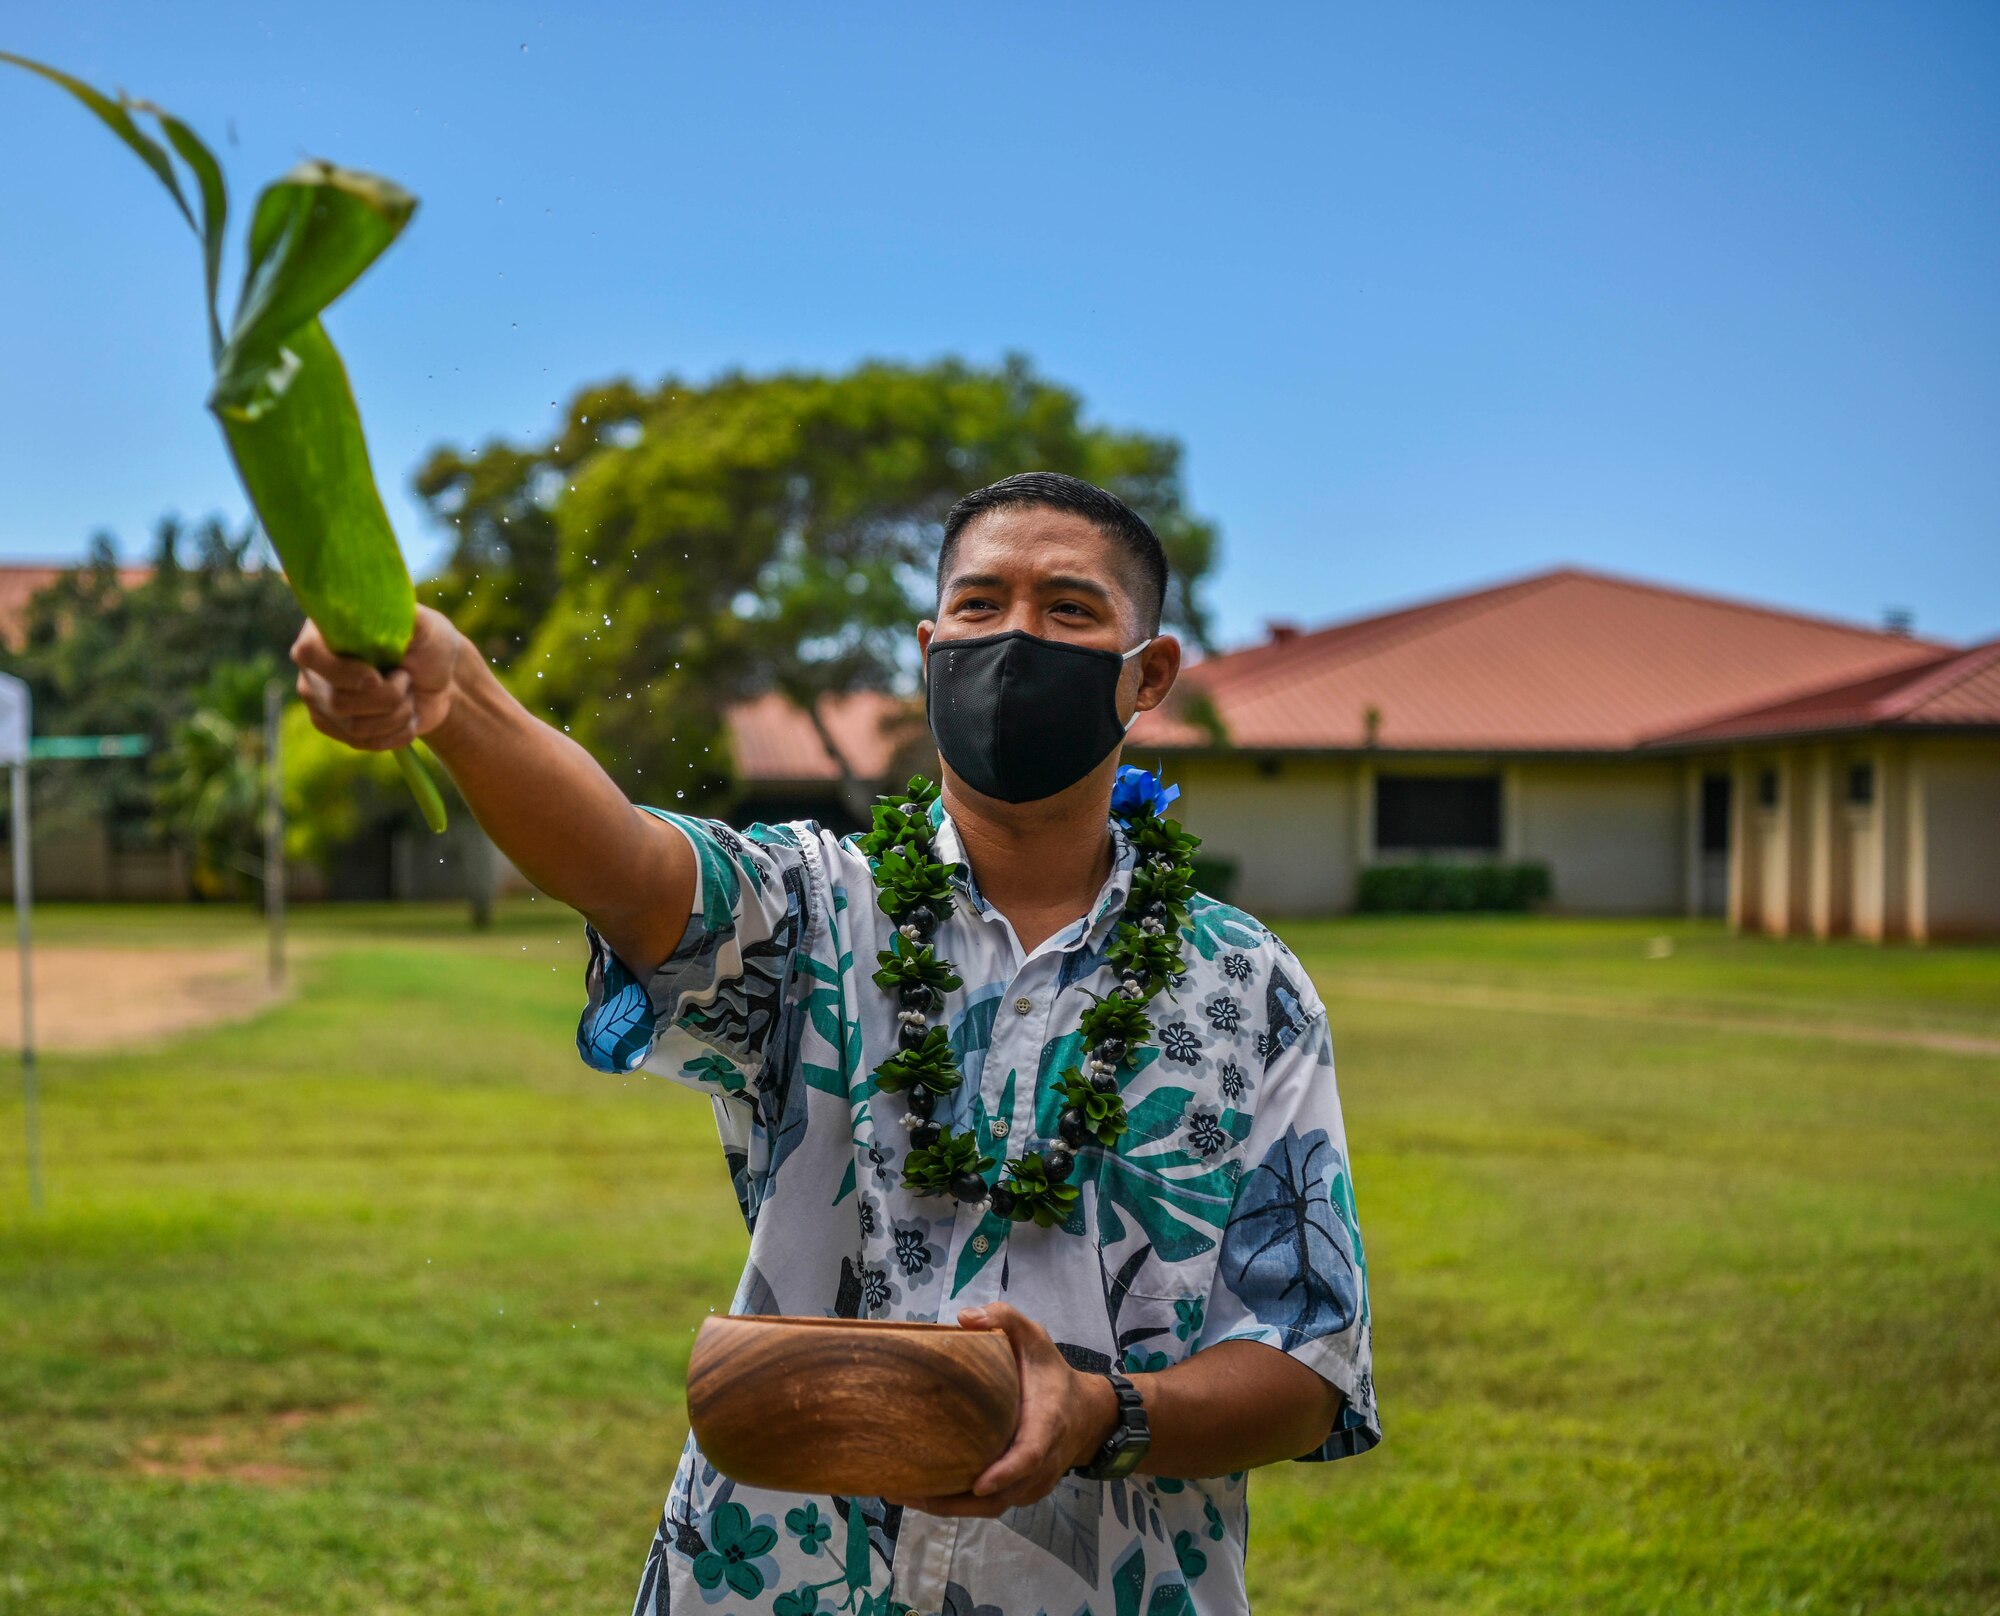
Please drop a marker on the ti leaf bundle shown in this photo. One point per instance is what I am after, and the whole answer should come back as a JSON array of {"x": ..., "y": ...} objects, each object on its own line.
[{"x": 281, "y": 392}]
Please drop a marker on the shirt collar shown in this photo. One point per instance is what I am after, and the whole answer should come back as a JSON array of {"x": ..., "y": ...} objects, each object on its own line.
[{"x": 949, "y": 848}]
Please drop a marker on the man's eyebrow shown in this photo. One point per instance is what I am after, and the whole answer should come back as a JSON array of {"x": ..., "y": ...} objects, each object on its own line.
[{"x": 1056, "y": 581}]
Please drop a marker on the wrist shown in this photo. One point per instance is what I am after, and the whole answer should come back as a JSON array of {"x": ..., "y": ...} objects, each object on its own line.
[
  {"x": 470, "y": 698},
  {"x": 1097, "y": 1419}
]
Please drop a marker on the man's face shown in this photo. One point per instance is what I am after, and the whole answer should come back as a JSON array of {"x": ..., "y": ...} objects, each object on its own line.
[{"x": 1054, "y": 575}]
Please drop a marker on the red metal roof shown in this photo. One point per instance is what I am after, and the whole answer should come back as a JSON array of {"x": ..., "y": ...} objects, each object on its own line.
[
  {"x": 1564, "y": 661},
  {"x": 774, "y": 740},
  {"x": 1960, "y": 688},
  {"x": 20, "y": 582}
]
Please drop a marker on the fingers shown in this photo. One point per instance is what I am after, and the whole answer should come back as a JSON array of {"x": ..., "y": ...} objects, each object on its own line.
[
  {"x": 311, "y": 652},
  {"x": 1021, "y": 1330},
  {"x": 364, "y": 721},
  {"x": 1027, "y": 1456},
  {"x": 1033, "y": 1463}
]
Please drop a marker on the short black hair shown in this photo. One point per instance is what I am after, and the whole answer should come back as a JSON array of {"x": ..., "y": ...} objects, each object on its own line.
[{"x": 1105, "y": 511}]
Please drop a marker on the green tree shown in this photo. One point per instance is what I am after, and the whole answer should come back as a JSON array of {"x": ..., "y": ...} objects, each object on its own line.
[
  {"x": 210, "y": 780},
  {"x": 111, "y": 650},
  {"x": 676, "y": 549}
]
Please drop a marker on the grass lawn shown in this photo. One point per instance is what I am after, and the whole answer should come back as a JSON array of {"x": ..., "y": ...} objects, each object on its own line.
[{"x": 380, "y": 1302}]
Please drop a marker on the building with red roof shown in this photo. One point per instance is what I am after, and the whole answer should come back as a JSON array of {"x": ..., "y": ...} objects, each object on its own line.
[{"x": 1660, "y": 751}]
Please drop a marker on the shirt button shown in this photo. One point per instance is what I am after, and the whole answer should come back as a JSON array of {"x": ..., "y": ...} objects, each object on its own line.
[
  {"x": 997, "y": 1127},
  {"x": 1023, "y": 1005},
  {"x": 979, "y": 1245}
]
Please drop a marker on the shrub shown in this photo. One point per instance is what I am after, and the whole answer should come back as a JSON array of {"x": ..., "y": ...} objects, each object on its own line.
[
  {"x": 1214, "y": 877},
  {"x": 1452, "y": 888}
]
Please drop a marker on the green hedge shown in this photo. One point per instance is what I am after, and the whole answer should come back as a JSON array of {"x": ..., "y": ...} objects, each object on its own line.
[
  {"x": 1215, "y": 877},
  {"x": 1440, "y": 888}
]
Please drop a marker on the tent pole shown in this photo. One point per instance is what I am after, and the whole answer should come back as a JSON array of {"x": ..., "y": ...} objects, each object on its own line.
[
  {"x": 23, "y": 909},
  {"x": 274, "y": 829}
]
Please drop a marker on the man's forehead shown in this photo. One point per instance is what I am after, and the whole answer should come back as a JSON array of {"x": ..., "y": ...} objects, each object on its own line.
[{"x": 1033, "y": 544}]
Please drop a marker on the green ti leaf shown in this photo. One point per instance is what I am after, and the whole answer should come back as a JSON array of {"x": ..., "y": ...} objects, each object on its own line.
[
  {"x": 932, "y": 1065},
  {"x": 907, "y": 964},
  {"x": 1103, "y": 1114},
  {"x": 311, "y": 236},
  {"x": 929, "y": 1170},
  {"x": 280, "y": 391},
  {"x": 118, "y": 119},
  {"x": 1037, "y": 1197}
]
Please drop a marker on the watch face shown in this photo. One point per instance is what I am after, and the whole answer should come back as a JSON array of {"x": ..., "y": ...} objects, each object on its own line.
[{"x": 1129, "y": 1448}]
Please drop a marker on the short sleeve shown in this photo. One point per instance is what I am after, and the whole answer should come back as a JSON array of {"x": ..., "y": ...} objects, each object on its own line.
[
  {"x": 726, "y": 983},
  {"x": 1292, "y": 1272}
]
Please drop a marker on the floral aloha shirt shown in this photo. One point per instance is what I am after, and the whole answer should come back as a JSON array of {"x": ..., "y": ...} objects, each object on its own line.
[{"x": 1225, "y": 1213}]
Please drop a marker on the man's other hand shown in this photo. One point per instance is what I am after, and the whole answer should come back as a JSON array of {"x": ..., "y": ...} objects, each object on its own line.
[
  {"x": 374, "y": 711},
  {"x": 1066, "y": 1415}
]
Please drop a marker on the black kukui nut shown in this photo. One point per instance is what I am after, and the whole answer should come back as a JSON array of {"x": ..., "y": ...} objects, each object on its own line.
[
  {"x": 1111, "y": 1049},
  {"x": 1105, "y": 1082},
  {"x": 1003, "y": 1201},
  {"x": 923, "y": 917},
  {"x": 915, "y": 996},
  {"x": 908, "y": 1037},
  {"x": 968, "y": 1186},
  {"x": 925, "y": 1134},
  {"x": 1071, "y": 1126},
  {"x": 1159, "y": 912},
  {"x": 1058, "y": 1164},
  {"x": 922, "y": 1101}
]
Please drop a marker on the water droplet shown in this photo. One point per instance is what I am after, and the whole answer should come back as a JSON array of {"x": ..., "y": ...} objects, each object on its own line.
[{"x": 680, "y": 793}]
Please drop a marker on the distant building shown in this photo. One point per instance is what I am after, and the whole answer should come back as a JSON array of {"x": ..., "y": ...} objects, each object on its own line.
[
  {"x": 108, "y": 858},
  {"x": 1661, "y": 751}
]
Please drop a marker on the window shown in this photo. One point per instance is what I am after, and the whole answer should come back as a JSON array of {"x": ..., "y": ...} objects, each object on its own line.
[
  {"x": 1715, "y": 813},
  {"x": 1438, "y": 812},
  {"x": 1767, "y": 788},
  {"x": 1860, "y": 785}
]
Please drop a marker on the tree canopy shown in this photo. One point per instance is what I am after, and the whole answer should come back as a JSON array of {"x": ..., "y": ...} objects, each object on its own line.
[
  {"x": 677, "y": 548},
  {"x": 105, "y": 654}
]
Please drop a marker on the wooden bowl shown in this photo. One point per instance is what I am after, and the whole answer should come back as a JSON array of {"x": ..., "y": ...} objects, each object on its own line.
[{"x": 858, "y": 1408}]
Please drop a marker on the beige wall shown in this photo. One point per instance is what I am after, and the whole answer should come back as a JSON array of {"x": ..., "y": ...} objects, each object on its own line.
[
  {"x": 1291, "y": 834},
  {"x": 1956, "y": 806},
  {"x": 1614, "y": 834},
  {"x": 1921, "y": 861}
]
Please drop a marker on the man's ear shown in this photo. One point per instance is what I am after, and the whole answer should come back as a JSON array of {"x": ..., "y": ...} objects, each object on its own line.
[
  {"x": 925, "y": 630},
  {"x": 1159, "y": 666}
]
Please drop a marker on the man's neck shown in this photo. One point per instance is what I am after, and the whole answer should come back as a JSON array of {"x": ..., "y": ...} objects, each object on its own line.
[{"x": 1039, "y": 863}]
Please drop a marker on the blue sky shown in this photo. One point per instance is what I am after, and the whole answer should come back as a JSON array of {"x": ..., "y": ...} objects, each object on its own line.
[{"x": 1433, "y": 294}]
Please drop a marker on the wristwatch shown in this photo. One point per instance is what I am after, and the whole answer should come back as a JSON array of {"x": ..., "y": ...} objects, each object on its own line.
[{"x": 1129, "y": 1439}]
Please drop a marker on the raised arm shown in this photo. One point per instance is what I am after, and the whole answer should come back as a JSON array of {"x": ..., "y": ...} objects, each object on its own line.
[{"x": 541, "y": 797}]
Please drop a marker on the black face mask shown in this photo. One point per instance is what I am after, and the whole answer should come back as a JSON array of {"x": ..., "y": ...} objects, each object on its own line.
[{"x": 1021, "y": 718}]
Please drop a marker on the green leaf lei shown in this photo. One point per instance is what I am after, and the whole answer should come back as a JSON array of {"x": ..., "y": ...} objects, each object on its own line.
[{"x": 914, "y": 889}]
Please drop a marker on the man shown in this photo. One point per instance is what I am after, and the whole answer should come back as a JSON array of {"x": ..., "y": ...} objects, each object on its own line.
[{"x": 1091, "y": 1107}]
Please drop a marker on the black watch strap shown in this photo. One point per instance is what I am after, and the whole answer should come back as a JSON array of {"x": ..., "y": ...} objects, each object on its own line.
[{"x": 1130, "y": 1437}]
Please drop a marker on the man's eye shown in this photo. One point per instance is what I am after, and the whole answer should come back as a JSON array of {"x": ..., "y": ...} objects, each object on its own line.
[{"x": 978, "y": 603}]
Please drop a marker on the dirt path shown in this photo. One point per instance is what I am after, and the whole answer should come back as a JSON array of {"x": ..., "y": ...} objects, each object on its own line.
[
  {"x": 107, "y": 998},
  {"x": 1456, "y": 996}
]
